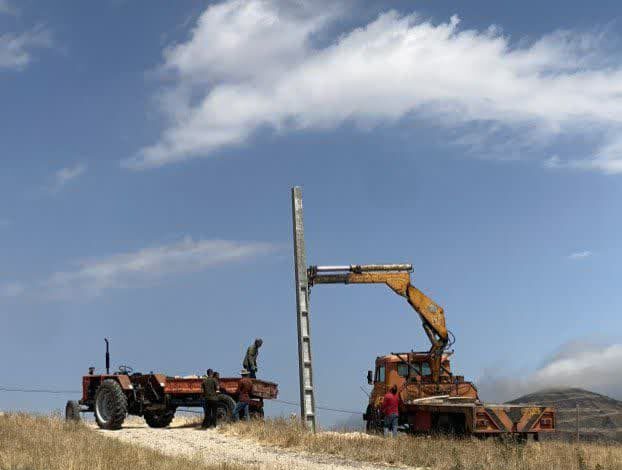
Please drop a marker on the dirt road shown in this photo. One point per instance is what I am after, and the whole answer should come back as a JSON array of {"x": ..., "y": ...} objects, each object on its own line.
[{"x": 215, "y": 447}]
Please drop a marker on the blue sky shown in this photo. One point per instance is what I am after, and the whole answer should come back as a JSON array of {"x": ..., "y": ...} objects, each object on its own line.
[{"x": 147, "y": 154}]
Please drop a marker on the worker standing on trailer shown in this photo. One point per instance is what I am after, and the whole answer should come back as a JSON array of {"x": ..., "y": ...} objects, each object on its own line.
[
  {"x": 245, "y": 387},
  {"x": 250, "y": 360},
  {"x": 390, "y": 405},
  {"x": 210, "y": 396}
]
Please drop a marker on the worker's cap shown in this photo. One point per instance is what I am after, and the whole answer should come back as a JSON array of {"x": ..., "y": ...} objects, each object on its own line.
[
  {"x": 259, "y": 341},
  {"x": 210, "y": 371},
  {"x": 244, "y": 372}
]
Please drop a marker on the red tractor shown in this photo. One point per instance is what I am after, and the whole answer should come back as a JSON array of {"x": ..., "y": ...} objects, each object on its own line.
[{"x": 156, "y": 397}]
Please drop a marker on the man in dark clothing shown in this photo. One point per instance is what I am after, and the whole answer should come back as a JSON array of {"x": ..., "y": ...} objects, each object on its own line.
[
  {"x": 245, "y": 386},
  {"x": 390, "y": 405},
  {"x": 210, "y": 396},
  {"x": 250, "y": 360}
]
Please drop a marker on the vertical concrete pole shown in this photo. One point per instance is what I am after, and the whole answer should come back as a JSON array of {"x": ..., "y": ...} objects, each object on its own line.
[{"x": 307, "y": 400}]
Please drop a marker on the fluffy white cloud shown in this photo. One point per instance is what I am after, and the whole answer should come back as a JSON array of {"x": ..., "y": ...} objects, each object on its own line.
[
  {"x": 140, "y": 268},
  {"x": 251, "y": 64},
  {"x": 65, "y": 175},
  {"x": 580, "y": 255},
  {"x": 16, "y": 48},
  {"x": 596, "y": 368}
]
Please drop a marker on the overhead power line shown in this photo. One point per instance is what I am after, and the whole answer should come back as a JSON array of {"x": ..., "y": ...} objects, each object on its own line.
[
  {"x": 292, "y": 403},
  {"x": 74, "y": 392},
  {"x": 38, "y": 390}
]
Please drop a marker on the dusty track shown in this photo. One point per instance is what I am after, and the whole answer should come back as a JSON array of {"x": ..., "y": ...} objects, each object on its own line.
[{"x": 214, "y": 447}]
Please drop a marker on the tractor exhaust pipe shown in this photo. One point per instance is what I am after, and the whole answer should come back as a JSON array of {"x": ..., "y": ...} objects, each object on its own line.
[{"x": 107, "y": 357}]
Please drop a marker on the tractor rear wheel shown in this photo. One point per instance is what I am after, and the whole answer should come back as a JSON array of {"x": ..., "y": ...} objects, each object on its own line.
[
  {"x": 110, "y": 405},
  {"x": 72, "y": 411},
  {"x": 224, "y": 409},
  {"x": 159, "y": 419}
]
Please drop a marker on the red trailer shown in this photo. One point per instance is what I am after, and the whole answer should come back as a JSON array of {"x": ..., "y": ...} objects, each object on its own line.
[{"x": 156, "y": 397}]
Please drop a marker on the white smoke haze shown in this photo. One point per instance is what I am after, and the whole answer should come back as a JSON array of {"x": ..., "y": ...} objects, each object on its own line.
[
  {"x": 254, "y": 64},
  {"x": 597, "y": 368}
]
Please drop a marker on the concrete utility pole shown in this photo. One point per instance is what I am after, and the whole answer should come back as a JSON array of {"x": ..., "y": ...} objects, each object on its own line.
[{"x": 307, "y": 400}]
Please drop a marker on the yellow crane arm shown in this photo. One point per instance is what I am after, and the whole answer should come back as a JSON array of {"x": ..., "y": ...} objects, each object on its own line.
[
  {"x": 430, "y": 312},
  {"x": 397, "y": 277}
]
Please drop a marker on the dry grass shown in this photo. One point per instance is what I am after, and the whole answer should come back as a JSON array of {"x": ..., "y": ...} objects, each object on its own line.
[
  {"x": 435, "y": 452},
  {"x": 41, "y": 443}
]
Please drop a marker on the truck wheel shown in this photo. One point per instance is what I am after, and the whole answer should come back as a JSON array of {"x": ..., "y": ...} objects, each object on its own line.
[
  {"x": 72, "y": 411},
  {"x": 159, "y": 419},
  {"x": 224, "y": 409},
  {"x": 110, "y": 405},
  {"x": 373, "y": 421}
]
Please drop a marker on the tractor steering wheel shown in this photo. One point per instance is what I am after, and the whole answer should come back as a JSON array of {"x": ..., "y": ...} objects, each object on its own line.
[{"x": 125, "y": 370}]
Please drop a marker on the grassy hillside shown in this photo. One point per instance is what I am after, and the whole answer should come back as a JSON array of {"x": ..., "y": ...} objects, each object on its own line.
[
  {"x": 600, "y": 417},
  {"x": 42, "y": 443},
  {"x": 434, "y": 452}
]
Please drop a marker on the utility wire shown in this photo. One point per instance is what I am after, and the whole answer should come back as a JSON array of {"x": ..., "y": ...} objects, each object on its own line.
[
  {"x": 72, "y": 392},
  {"x": 292, "y": 403},
  {"x": 38, "y": 390}
]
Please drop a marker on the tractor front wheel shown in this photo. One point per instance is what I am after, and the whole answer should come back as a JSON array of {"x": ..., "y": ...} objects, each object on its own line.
[
  {"x": 72, "y": 411},
  {"x": 159, "y": 419},
  {"x": 110, "y": 405}
]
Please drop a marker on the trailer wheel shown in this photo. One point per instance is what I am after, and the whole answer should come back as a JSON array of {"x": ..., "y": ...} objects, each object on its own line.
[
  {"x": 224, "y": 409},
  {"x": 72, "y": 411},
  {"x": 160, "y": 419},
  {"x": 110, "y": 405}
]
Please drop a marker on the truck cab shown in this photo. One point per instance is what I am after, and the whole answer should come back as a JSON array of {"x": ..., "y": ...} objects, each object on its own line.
[{"x": 412, "y": 373}]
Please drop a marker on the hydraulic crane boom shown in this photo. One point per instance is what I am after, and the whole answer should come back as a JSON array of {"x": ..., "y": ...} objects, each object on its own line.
[{"x": 397, "y": 277}]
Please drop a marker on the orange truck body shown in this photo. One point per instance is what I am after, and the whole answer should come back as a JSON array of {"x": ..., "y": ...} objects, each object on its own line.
[{"x": 450, "y": 405}]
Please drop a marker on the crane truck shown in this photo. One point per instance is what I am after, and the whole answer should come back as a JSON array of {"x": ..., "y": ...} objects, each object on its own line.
[{"x": 432, "y": 399}]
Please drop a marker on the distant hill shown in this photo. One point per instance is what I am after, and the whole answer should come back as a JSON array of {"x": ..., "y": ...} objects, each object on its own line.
[{"x": 600, "y": 417}]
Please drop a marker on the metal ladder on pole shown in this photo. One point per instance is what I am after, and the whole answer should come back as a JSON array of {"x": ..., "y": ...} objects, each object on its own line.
[{"x": 307, "y": 399}]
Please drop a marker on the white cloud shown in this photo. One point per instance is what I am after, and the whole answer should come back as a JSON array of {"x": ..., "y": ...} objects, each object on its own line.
[
  {"x": 65, "y": 175},
  {"x": 143, "y": 267},
  {"x": 596, "y": 368},
  {"x": 16, "y": 48},
  {"x": 580, "y": 255},
  {"x": 11, "y": 289},
  {"x": 6, "y": 7},
  {"x": 252, "y": 64}
]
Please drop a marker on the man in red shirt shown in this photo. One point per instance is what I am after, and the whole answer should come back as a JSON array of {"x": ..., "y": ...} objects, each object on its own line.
[
  {"x": 245, "y": 387},
  {"x": 390, "y": 404}
]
